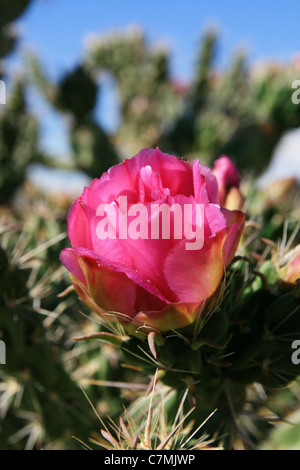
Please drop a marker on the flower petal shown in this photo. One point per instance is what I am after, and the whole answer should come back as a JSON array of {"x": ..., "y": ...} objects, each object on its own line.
[
  {"x": 195, "y": 275},
  {"x": 227, "y": 176},
  {"x": 205, "y": 184},
  {"x": 172, "y": 317},
  {"x": 78, "y": 225},
  {"x": 86, "y": 265},
  {"x": 70, "y": 259},
  {"x": 123, "y": 179}
]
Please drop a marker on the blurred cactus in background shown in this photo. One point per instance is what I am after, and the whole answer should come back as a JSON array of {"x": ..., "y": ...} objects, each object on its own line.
[
  {"x": 75, "y": 95},
  {"x": 18, "y": 143},
  {"x": 148, "y": 99},
  {"x": 18, "y": 129},
  {"x": 42, "y": 404},
  {"x": 9, "y": 13},
  {"x": 242, "y": 110}
]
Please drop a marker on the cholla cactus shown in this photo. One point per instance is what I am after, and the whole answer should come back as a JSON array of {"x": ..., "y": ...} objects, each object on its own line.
[
  {"x": 75, "y": 96},
  {"x": 18, "y": 129},
  {"x": 215, "y": 347},
  {"x": 9, "y": 12},
  {"x": 41, "y": 400},
  {"x": 243, "y": 340},
  {"x": 242, "y": 112},
  {"x": 148, "y": 99},
  {"x": 215, "y": 356},
  {"x": 19, "y": 143},
  {"x": 147, "y": 426}
]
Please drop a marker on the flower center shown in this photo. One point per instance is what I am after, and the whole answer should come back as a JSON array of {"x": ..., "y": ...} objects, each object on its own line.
[{"x": 150, "y": 186}]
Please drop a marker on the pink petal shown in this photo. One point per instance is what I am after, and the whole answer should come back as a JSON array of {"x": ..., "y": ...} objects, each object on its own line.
[
  {"x": 195, "y": 275},
  {"x": 123, "y": 179},
  {"x": 235, "y": 220},
  {"x": 106, "y": 288},
  {"x": 78, "y": 225},
  {"x": 172, "y": 317},
  {"x": 227, "y": 176},
  {"x": 87, "y": 258},
  {"x": 150, "y": 185},
  {"x": 293, "y": 272},
  {"x": 143, "y": 255},
  {"x": 69, "y": 259},
  {"x": 205, "y": 184}
]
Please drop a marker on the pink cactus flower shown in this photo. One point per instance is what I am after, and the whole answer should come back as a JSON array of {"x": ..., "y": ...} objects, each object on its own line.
[
  {"x": 229, "y": 180},
  {"x": 150, "y": 281}
]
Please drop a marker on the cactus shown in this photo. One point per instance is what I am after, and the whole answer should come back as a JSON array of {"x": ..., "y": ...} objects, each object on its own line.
[
  {"x": 19, "y": 143},
  {"x": 242, "y": 341},
  {"x": 147, "y": 99},
  {"x": 9, "y": 12},
  {"x": 42, "y": 404},
  {"x": 75, "y": 95},
  {"x": 207, "y": 385},
  {"x": 18, "y": 128},
  {"x": 240, "y": 111}
]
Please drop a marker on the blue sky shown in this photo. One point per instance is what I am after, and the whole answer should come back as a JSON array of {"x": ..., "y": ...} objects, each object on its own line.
[
  {"x": 268, "y": 28},
  {"x": 55, "y": 30}
]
